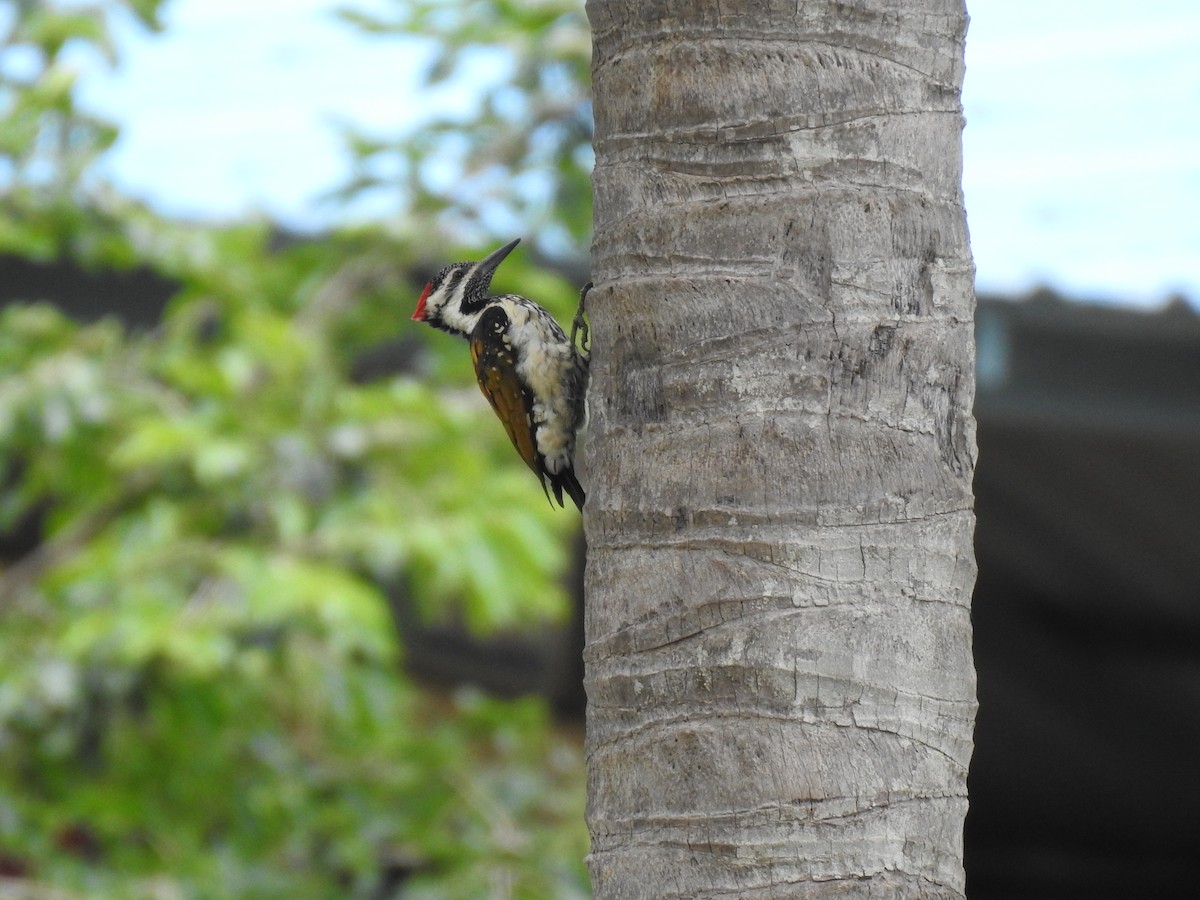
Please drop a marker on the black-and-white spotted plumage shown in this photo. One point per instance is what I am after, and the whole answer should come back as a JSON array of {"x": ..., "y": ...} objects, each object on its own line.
[{"x": 528, "y": 368}]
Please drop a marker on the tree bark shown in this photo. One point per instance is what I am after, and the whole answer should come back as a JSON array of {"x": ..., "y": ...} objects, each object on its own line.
[{"x": 780, "y": 684}]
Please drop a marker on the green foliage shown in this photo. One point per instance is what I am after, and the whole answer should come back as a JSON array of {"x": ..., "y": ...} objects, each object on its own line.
[
  {"x": 200, "y": 683},
  {"x": 47, "y": 142},
  {"x": 522, "y": 154},
  {"x": 223, "y": 506}
]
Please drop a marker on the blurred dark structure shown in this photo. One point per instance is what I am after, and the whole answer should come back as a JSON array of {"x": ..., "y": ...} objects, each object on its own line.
[
  {"x": 136, "y": 296},
  {"x": 1086, "y": 776}
]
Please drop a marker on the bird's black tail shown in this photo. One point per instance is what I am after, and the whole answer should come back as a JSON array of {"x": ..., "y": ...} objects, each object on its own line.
[{"x": 566, "y": 480}]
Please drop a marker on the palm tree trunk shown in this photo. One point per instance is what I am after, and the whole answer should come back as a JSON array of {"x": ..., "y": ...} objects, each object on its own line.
[{"x": 781, "y": 692}]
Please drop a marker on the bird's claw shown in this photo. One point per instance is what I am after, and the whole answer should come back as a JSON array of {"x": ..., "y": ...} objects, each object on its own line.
[{"x": 579, "y": 323}]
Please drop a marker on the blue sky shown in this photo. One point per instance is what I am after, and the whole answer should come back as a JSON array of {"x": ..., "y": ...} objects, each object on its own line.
[{"x": 1082, "y": 147}]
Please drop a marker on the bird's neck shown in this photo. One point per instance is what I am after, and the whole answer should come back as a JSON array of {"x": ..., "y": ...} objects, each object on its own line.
[{"x": 457, "y": 320}]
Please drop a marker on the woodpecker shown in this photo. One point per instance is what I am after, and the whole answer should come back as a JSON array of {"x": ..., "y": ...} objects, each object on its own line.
[{"x": 532, "y": 373}]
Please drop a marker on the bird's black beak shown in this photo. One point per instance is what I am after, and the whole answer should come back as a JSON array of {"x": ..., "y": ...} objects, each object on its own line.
[{"x": 488, "y": 265}]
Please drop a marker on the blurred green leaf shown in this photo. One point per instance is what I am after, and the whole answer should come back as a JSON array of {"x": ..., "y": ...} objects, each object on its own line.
[
  {"x": 199, "y": 682},
  {"x": 523, "y": 155}
]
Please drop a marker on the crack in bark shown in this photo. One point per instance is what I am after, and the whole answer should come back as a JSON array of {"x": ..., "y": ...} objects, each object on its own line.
[
  {"x": 634, "y": 733},
  {"x": 766, "y": 129},
  {"x": 774, "y": 815}
]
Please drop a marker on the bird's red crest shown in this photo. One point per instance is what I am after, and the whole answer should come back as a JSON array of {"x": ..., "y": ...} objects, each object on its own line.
[{"x": 419, "y": 314}]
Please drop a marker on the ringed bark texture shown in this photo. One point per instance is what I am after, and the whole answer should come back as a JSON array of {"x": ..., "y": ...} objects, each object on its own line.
[{"x": 780, "y": 684}]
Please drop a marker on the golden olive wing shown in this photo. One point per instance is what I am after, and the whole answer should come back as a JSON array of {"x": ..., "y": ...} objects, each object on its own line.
[{"x": 496, "y": 371}]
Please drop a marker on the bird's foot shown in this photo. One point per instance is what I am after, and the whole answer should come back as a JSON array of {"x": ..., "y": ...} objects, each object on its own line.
[{"x": 579, "y": 324}]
